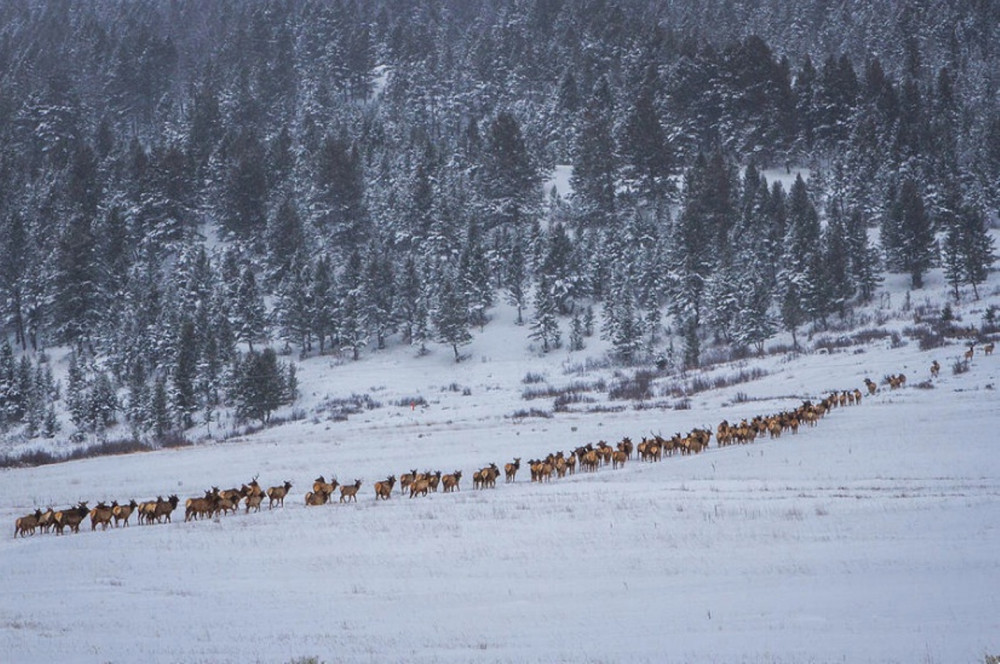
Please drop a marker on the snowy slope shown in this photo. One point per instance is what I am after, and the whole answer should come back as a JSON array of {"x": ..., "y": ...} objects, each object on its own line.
[{"x": 870, "y": 538}]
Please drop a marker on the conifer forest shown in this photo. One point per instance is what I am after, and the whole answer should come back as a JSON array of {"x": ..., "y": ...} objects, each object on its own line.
[{"x": 195, "y": 194}]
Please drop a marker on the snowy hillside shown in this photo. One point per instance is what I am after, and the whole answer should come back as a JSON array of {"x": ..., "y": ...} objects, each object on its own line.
[{"x": 869, "y": 538}]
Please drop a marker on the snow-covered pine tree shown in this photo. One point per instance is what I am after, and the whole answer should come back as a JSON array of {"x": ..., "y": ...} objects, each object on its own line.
[
  {"x": 545, "y": 320},
  {"x": 451, "y": 314},
  {"x": 353, "y": 328}
]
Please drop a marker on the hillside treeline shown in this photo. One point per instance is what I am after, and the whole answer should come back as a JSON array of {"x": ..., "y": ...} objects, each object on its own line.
[{"x": 185, "y": 185}]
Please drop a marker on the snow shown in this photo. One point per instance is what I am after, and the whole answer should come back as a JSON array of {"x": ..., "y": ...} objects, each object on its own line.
[
  {"x": 869, "y": 538},
  {"x": 559, "y": 179}
]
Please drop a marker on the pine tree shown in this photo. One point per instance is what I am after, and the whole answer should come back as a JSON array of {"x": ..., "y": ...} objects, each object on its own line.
[
  {"x": 248, "y": 308},
  {"x": 515, "y": 274},
  {"x": 451, "y": 315},
  {"x": 160, "y": 420},
  {"x": 545, "y": 321},
  {"x": 977, "y": 247},
  {"x": 378, "y": 295},
  {"x": 509, "y": 181},
  {"x": 907, "y": 236},
  {"x": 353, "y": 329},
  {"x": 184, "y": 375},
  {"x": 594, "y": 164},
  {"x": 261, "y": 387},
  {"x": 474, "y": 275}
]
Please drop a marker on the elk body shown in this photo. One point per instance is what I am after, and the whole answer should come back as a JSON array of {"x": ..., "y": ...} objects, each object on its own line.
[
  {"x": 26, "y": 525},
  {"x": 383, "y": 489},
  {"x": 71, "y": 518},
  {"x": 276, "y": 494},
  {"x": 101, "y": 515},
  {"x": 349, "y": 492},
  {"x": 121, "y": 513},
  {"x": 935, "y": 368},
  {"x": 510, "y": 469},
  {"x": 450, "y": 482}
]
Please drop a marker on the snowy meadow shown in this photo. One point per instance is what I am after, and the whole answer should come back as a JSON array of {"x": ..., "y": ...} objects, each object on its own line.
[{"x": 871, "y": 537}]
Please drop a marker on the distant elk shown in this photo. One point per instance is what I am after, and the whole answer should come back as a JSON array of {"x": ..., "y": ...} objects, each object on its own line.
[{"x": 276, "y": 494}]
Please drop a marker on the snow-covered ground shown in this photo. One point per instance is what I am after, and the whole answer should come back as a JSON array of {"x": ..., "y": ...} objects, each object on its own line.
[{"x": 870, "y": 538}]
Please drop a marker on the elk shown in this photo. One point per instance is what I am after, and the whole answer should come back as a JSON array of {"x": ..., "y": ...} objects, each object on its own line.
[
  {"x": 276, "y": 494},
  {"x": 317, "y": 498},
  {"x": 253, "y": 501},
  {"x": 510, "y": 469},
  {"x": 419, "y": 487},
  {"x": 321, "y": 486},
  {"x": 101, "y": 515},
  {"x": 164, "y": 508},
  {"x": 383, "y": 489},
  {"x": 935, "y": 368},
  {"x": 45, "y": 521},
  {"x": 195, "y": 508},
  {"x": 252, "y": 489},
  {"x": 490, "y": 475},
  {"x": 969, "y": 353},
  {"x": 71, "y": 517},
  {"x": 988, "y": 349},
  {"x": 26, "y": 525},
  {"x": 450, "y": 482},
  {"x": 870, "y": 384},
  {"x": 350, "y": 492},
  {"x": 121, "y": 513},
  {"x": 228, "y": 502},
  {"x": 406, "y": 479},
  {"x": 618, "y": 459}
]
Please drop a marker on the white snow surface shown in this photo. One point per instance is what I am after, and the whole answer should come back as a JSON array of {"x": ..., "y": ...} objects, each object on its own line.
[{"x": 873, "y": 537}]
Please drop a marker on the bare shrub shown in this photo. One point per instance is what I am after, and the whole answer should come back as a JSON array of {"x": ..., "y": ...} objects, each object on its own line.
[
  {"x": 534, "y": 412},
  {"x": 634, "y": 388}
]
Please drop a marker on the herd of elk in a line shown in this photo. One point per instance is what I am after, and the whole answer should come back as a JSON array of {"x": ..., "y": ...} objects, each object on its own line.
[{"x": 589, "y": 458}]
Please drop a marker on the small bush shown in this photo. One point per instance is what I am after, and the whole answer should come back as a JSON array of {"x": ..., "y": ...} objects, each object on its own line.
[
  {"x": 636, "y": 388},
  {"x": 407, "y": 402},
  {"x": 534, "y": 412},
  {"x": 960, "y": 367},
  {"x": 532, "y": 378},
  {"x": 925, "y": 385}
]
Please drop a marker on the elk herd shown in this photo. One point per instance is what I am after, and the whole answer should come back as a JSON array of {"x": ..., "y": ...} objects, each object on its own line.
[{"x": 215, "y": 503}]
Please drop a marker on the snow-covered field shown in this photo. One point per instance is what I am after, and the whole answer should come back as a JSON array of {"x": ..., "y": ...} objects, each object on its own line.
[{"x": 873, "y": 537}]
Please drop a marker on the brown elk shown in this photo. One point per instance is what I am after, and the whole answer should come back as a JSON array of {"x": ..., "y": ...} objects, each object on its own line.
[
  {"x": 350, "y": 492},
  {"x": 71, "y": 517},
  {"x": 627, "y": 447},
  {"x": 321, "y": 486},
  {"x": 26, "y": 525},
  {"x": 195, "y": 508},
  {"x": 510, "y": 469},
  {"x": 121, "y": 513},
  {"x": 317, "y": 498},
  {"x": 935, "y": 368},
  {"x": 253, "y": 502},
  {"x": 419, "y": 487},
  {"x": 45, "y": 521},
  {"x": 164, "y": 508},
  {"x": 101, "y": 515},
  {"x": 970, "y": 353},
  {"x": 406, "y": 479},
  {"x": 490, "y": 475},
  {"x": 450, "y": 482},
  {"x": 988, "y": 349},
  {"x": 383, "y": 489},
  {"x": 872, "y": 387},
  {"x": 228, "y": 503},
  {"x": 252, "y": 489},
  {"x": 618, "y": 459},
  {"x": 276, "y": 494}
]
